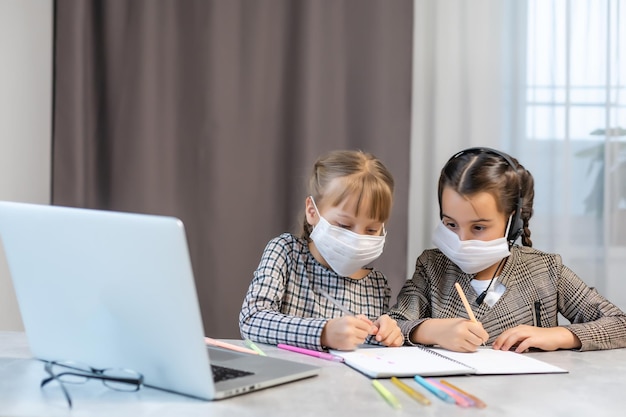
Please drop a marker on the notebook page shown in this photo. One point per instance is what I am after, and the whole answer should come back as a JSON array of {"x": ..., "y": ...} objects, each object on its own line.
[
  {"x": 487, "y": 361},
  {"x": 405, "y": 361}
]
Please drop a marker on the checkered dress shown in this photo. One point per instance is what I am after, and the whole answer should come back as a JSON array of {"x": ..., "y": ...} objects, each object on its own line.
[
  {"x": 283, "y": 305},
  {"x": 529, "y": 276}
]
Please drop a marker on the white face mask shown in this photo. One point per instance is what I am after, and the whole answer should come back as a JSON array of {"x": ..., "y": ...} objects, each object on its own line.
[
  {"x": 471, "y": 256},
  {"x": 345, "y": 251}
]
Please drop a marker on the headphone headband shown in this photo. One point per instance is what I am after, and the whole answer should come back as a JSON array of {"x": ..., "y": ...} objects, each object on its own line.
[
  {"x": 482, "y": 149},
  {"x": 517, "y": 224}
]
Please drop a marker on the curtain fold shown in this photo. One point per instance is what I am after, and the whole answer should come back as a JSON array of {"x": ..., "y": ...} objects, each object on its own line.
[
  {"x": 465, "y": 89},
  {"x": 214, "y": 112},
  {"x": 576, "y": 130},
  {"x": 544, "y": 81}
]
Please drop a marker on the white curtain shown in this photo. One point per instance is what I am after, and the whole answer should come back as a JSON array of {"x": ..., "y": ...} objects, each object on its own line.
[{"x": 545, "y": 81}]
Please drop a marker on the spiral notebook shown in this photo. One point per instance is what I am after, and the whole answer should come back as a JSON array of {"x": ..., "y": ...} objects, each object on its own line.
[{"x": 407, "y": 361}]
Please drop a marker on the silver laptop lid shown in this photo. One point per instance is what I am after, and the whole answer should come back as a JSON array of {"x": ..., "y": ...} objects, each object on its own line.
[{"x": 108, "y": 289}]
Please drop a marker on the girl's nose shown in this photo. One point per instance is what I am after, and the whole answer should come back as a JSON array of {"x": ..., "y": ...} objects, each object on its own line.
[
  {"x": 463, "y": 235},
  {"x": 360, "y": 230}
]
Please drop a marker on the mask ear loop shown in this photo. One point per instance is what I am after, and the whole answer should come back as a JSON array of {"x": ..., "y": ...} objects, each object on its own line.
[
  {"x": 506, "y": 232},
  {"x": 315, "y": 205},
  {"x": 508, "y": 225}
]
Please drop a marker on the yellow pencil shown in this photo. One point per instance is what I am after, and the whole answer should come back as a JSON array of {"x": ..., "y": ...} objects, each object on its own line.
[
  {"x": 386, "y": 394},
  {"x": 410, "y": 391}
]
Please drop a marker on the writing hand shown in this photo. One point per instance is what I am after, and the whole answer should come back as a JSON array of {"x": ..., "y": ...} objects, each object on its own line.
[
  {"x": 457, "y": 334},
  {"x": 347, "y": 332}
]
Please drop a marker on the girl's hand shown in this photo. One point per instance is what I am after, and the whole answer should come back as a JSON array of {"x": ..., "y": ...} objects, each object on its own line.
[
  {"x": 524, "y": 337},
  {"x": 389, "y": 334},
  {"x": 347, "y": 332},
  {"x": 458, "y": 334}
]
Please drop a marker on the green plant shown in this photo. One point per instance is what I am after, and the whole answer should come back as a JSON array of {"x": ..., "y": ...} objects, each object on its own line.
[{"x": 594, "y": 201}]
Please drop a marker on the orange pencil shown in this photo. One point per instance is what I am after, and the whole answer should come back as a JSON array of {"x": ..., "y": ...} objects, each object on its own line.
[
  {"x": 470, "y": 313},
  {"x": 219, "y": 343},
  {"x": 477, "y": 402}
]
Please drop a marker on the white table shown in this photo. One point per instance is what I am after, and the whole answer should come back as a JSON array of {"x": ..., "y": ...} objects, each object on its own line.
[{"x": 594, "y": 386}]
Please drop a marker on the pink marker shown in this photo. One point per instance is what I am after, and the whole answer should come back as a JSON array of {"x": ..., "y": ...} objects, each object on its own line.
[{"x": 315, "y": 353}]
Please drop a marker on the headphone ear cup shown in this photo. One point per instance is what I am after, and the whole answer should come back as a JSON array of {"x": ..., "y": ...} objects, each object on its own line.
[{"x": 517, "y": 227}]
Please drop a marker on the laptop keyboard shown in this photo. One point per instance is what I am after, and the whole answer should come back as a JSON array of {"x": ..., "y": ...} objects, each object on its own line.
[{"x": 222, "y": 373}]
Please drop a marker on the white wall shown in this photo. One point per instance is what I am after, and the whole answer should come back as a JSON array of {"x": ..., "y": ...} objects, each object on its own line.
[{"x": 26, "y": 35}]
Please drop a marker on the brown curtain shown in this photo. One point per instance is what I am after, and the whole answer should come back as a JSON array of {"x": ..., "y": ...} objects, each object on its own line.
[{"x": 214, "y": 111}]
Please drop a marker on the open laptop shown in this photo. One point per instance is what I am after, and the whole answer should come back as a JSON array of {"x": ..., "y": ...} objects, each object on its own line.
[{"x": 116, "y": 290}]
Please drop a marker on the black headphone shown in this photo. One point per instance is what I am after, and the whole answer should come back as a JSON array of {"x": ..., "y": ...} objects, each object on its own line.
[{"x": 517, "y": 224}]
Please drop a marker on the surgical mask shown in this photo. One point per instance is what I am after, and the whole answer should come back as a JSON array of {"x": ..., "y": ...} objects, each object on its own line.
[
  {"x": 472, "y": 256},
  {"x": 345, "y": 251}
]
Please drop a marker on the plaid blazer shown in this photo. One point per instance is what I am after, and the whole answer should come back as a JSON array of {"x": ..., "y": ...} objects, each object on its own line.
[
  {"x": 538, "y": 288},
  {"x": 283, "y": 303}
]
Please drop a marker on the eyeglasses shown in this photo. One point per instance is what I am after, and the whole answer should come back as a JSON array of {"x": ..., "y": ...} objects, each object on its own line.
[{"x": 68, "y": 372}]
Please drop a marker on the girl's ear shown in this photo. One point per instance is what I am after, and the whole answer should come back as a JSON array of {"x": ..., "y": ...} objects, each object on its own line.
[{"x": 311, "y": 214}]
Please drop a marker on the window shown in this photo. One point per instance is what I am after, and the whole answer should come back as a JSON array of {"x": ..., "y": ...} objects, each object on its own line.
[{"x": 576, "y": 95}]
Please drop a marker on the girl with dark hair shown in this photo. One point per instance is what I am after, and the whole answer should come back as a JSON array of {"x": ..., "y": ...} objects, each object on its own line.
[{"x": 516, "y": 292}]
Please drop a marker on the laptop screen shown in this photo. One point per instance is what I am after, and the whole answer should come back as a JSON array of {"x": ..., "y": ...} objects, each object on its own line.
[{"x": 108, "y": 289}]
